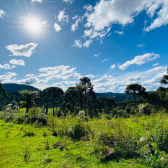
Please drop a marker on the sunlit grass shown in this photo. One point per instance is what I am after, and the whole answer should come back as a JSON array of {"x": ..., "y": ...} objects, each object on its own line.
[{"x": 21, "y": 149}]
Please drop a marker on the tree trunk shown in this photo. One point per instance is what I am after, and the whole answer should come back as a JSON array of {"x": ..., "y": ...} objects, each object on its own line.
[
  {"x": 47, "y": 108},
  {"x": 135, "y": 105},
  {"x": 85, "y": 102},
  {"x": 80, "y": 97},
  {"x": 53, "y": 104},
  {"x": 73, "y": 104}
]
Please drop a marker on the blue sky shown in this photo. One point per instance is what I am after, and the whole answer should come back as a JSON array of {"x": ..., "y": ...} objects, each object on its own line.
[{"x": 56, "y": 42}]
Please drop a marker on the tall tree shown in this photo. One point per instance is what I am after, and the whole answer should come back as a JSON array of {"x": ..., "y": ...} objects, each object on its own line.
[
  {"x": 29, "y": 96},
  {"x": 53, "y": 94},
  {"x": 135, "y": 90},
  {"x": 164, "y": 79},
  {"x": 84, "y": 81},
  {"x": 80, "y": 89},
  {"x": 70, "y": 97},
  {"x": 4, "y": 97}
]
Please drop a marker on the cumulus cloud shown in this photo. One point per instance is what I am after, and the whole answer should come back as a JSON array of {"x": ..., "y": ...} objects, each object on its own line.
[
  {"x": 63, "y": 17},
  {"x": 140, "y": 45},
  {"x": 57, "y": 27},
  {"x": 87, "y": 43},
  {"x": 77, "y": 43},
  {"x": 113, "y": 66},
  {"x": 105, "y": 60},
  {"x": 75, "y": 25},
  {"x": 22, "y": 50},
  {"x": 44, "y": 22},
  {"x": 91, "y": 33},
  {"x": 156, "y": 64},
  {"x": 29, "y": 75},
  {"x": 17, "y": 62},
  {"x": 68, "y": 1},
  {"x": 108, "y": 12},
  {"x": 2, "y": 13},
  {"x": 8, "y": 77},
  {"x": 40, "y": 1},
  {"x": 7, "y": 66},
  {"x": 139, "y": 60},
  {"x": 88, "y": 7},
  {"x": 119, "y": 32},
  {"x": 157, "y": 69},
  {"x": 96, "y": 55}
]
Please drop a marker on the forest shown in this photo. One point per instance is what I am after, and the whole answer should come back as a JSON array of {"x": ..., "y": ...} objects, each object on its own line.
[{"x": 76, "y": 128}]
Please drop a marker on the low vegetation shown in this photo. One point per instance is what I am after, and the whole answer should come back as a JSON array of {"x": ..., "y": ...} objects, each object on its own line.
[{"x": 76, "y": 129}]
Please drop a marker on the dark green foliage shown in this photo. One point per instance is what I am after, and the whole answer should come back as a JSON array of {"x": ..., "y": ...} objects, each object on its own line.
[
  {"x": 136, "y": 90},
  {"x": 29, "y": 96},
  {"x": 4, "y": 97},
  {"x": 13, "y": 87},
  {"x": 52, "y": 95}
]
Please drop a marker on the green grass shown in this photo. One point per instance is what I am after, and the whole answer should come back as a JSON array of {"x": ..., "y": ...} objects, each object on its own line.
[{"x": 32, "y": 146}]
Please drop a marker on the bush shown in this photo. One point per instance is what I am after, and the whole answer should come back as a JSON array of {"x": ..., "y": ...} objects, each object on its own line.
[
  {"x": 19, "y": 119},
  {"x": 42, "y": 118},
  {"x": 9, "y": 117}
]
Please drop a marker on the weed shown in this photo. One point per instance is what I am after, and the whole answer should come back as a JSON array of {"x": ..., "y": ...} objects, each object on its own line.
[{"x": 27, "y": 154}]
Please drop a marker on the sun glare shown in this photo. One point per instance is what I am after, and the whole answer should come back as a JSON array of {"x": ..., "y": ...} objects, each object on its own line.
[{"x": 34, "y": 26}]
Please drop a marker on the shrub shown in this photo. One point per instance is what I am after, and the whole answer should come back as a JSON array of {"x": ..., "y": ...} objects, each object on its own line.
[
  {"x": 42, "y": 118},
  {"x": 19, "y": 119}
]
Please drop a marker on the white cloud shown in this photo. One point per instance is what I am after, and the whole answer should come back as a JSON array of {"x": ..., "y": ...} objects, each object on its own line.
[
  {"x": 44, "y": 22},
  {"x": 113, "y": 66},
  {"x": 109, "y": 12},
  {"x": 119, "y": 32},
  {"x": 77, "y": 43},
  {"x": 17, "y": 62},
  {"x": 2, "y": 13},
  {"x": 29, "y": 75},
  {"x": 88, "y": 7},
  {"x": 22, "y": 50},
  {"x": 156, "y": 64},
  {"x": 57, "y": 27},
  {"x": 63, "y": 17},
  {"x": 75, "y": 25},
  {"x": 68, "y": 1},
  {"x": 94, "y": 33},
  {"x": 157, "y": 69},
  {"x": 40, "y": 1},
  {"x": 162, "y": 15},
  {"x": 8, "y": 77},
  {"x": 90, "y": 76},
  {"x": 139, "y": 60},
  {"x": 87, "y": 43},
  {"x": 140, "y": 45},
  {"x": 96, "y": 55},
  {"x": 104, "y": 60},
  {"x": 7, "y": 66}
]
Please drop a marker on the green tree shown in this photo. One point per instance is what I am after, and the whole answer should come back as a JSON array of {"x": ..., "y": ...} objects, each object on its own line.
[
  {"x": 70, "y": 97},
  {"x": 80, "y": 89},
  {"x": 135, "y": 90},
  {"x": 4, "y": 97},
  {"x": 54, "y": 95},
  {"x": 29, "y": 96}
]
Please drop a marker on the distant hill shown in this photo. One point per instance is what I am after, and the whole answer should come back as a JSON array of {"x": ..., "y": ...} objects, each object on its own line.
[
  {"x": 12, "y": 87},
  {"x": 118, "y": 97}
]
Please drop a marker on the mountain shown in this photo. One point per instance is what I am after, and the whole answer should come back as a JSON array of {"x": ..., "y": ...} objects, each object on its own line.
[
  {"x": 118, "y": 97},
  {"x": 12, "y": 87}
]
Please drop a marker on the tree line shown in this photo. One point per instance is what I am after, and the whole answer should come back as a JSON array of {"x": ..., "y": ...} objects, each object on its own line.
[{"x": 82, "y": 97}]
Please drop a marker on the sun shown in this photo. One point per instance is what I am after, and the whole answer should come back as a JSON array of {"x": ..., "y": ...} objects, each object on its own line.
[{"x": 34, "y": 26}]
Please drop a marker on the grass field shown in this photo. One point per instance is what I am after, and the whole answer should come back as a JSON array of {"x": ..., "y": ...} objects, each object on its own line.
[{"x": 26, "y": 145}]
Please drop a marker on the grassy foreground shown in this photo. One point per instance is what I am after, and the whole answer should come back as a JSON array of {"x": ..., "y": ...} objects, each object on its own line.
[{"x": 136, "y": 142}]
